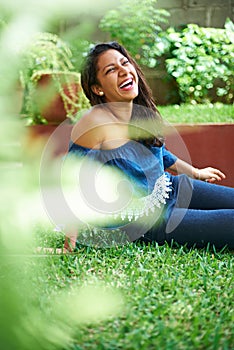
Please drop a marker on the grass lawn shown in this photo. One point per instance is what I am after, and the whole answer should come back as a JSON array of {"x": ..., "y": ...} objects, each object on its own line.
[
  {"x": 199, "y": 113},
  {"x": 171, "y": 297}
]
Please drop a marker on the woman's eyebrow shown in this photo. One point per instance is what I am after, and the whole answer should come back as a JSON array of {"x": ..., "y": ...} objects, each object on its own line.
[{"x": 108, "y": 65}]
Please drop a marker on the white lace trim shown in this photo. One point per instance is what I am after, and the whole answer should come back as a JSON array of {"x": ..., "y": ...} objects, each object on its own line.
[{"x": 143, "y": 206}]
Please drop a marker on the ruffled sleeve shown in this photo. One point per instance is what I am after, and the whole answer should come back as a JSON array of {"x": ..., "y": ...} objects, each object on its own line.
[{"x": 168, "y": 158}]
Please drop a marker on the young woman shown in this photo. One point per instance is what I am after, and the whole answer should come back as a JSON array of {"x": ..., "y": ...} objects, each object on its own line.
[{"x": 123, "y": 130}]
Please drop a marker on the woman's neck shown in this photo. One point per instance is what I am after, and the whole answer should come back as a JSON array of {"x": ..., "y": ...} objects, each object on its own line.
[{"x": 121, "y": 110}]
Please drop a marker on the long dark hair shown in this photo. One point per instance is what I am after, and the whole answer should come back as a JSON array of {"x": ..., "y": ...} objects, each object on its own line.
[{"x": 144, "y": 97}]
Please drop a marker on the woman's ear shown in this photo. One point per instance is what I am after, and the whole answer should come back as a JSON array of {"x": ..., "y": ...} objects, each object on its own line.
[{"x": 97, "y": 90}]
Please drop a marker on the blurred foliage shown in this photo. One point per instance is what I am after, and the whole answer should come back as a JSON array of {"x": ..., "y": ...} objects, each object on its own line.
[
  {"x": 136, "y": 24},
  {"x": 201, "y": 59},
  {"x": 35, "y": 314}
]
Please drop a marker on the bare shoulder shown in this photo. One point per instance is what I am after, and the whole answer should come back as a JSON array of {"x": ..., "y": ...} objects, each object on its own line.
[{"x": 88, "y": 131}]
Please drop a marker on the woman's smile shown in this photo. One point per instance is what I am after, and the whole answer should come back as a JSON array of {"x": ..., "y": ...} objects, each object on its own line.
[{"x": 127, "y": 85}]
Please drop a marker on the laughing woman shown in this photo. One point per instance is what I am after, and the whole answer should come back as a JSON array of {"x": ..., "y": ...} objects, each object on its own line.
[{"x": 124, "y": 130}]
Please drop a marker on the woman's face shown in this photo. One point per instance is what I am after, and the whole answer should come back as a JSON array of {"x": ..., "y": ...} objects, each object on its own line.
[{"x": 117, "y": 77}]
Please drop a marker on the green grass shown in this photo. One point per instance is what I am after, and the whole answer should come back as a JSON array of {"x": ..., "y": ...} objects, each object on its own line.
[
  {"x": 199, "y": 113},
  {"x": 172, "y": 297}
]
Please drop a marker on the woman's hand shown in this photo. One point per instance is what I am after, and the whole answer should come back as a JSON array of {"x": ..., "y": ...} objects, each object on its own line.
[{"x": 208, "y": 174}]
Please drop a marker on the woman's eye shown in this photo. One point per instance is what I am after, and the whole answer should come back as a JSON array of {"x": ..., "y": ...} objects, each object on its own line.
[
  {"x": 110, "y": 70},
  {"x": 125, "y": 62}
]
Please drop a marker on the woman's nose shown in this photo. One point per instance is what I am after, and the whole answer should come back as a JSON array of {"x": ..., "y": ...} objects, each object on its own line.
[{"x": 123, "y": 70}]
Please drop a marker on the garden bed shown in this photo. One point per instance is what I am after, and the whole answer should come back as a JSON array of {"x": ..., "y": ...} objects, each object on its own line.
[
  {"x": 206, "y": 145},
  {"x": 202, "y": 144}
]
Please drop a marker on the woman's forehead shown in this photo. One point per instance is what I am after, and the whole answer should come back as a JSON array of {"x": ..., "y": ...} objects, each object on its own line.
[{"x": 109, "y": 56}]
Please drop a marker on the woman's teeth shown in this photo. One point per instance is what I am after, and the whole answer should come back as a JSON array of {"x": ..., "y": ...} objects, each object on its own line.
[{"x": 128, "y": 83}]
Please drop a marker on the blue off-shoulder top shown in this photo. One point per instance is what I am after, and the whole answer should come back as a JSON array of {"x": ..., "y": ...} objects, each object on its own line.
[{"x": 144, "y": 167}]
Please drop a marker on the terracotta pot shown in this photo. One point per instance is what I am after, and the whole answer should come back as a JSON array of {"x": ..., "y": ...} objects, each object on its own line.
[
  {"x": 49, "y": 103},
  {"x": 52, "y": 139}
]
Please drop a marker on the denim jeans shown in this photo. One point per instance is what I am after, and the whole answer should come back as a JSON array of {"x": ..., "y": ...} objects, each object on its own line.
[{"x": 203, "y": 213}]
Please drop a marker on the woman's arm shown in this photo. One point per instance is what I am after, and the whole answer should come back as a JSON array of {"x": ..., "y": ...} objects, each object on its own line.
[{"x": 208, "y": 174}]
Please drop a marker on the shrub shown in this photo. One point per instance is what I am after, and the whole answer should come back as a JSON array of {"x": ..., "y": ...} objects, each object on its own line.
[
  {"x": 135, "y": 25},
  {"x": 201, "y": 60}
]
